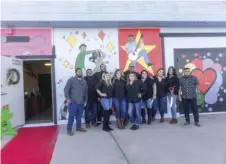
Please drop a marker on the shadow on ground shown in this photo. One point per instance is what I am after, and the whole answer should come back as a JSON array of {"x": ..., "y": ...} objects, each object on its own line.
[{"x": 154, "y": 144}]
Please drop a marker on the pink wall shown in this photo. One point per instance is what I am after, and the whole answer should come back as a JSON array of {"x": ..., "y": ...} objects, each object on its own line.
[{"x": 20, "y": 42}]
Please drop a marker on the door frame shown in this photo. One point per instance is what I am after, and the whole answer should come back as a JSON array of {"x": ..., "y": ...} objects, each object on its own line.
[{"x": 53, "y": 84}]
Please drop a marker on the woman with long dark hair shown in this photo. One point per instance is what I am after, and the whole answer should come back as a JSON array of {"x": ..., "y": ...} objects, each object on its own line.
[
  {"x": 135, "y": 90},
  {"x": 119, "y": 97},
  {"x": 148, "y": 97},
  {"x": 105, "y": 90},
  {"x": 172, "y": 88},
  {"x": 160, "y": 101}
]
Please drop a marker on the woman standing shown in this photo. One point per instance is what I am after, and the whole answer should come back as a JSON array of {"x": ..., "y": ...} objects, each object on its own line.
[
  {"x": 119, "y": 97},
  {"x": 105, "y": 90},
  {"x": 160, "y": 101},
  {"x": 135, "y": 90},
  {"x": 148, "y": 97},
  {"x": 172, "y": 88}
]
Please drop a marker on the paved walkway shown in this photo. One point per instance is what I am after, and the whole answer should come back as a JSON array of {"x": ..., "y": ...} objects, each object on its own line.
[{"x": 155, "y": 144}]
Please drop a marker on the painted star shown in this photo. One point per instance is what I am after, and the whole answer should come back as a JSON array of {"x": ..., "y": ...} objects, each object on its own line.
[{"x": 141, "y": 61}]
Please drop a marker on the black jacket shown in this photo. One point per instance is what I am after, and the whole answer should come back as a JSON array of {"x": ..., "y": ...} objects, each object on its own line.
[
  {"x": 119, "y": 88},
  {"x": 161, "y": 87},
  {"x": 172, "y": 82},
  {"x": 92, "y": 93},
  {"x": 149, "y": 83},
  {"x": 134, "y": 89},
  {"x": 103, "y": 88},
  {"x": 98, "y": 76}
]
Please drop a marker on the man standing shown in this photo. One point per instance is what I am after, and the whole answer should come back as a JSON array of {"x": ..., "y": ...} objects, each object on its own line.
[
  {"x": 91, "y": 107},
  {"x": 76, "y": 93},
  {"x": 97, "y": 77},
  {"x": 187, "y": 94},
  {"x": 131, "y": 70},
  {"x": 80, "y": 60},
  {"x": 132, "y": 46}
]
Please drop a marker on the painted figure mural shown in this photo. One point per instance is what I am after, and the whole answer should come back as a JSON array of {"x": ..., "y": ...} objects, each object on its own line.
[
  {"x": 117, "y": 48},
  {"x": 83, "y": 48},
  {"x": 209, "y": 66},
  {"x": 142, "y": 48}
]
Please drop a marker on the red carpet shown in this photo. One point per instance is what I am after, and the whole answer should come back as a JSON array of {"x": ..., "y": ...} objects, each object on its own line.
[{"x": 31, "y": 146}]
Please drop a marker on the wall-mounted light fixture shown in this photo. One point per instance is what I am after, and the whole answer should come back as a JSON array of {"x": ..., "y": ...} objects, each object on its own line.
[{"x": 47, "y": 64}]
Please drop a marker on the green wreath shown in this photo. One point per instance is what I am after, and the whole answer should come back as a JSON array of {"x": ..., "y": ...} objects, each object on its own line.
[{"x": 13, "y": 76}]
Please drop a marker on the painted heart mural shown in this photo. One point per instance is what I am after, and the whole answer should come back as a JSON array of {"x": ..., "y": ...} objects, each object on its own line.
[
  {"x": 206, "y": 78},
  {"x": 209, "y": 66}
]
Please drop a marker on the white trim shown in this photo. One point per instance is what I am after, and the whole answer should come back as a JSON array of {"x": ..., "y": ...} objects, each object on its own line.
[
  {"x": 38, "y": 125},
  {"x": 192, "y": 30},
  {"x": 211, "y": 113},
  {"x": 37, "y": 59}
]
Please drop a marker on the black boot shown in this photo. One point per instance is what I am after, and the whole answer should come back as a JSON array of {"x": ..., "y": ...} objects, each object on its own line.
[
  {"x": 149, "y": 115},
  {"x": 108, "y": 120},
  {"x": 105, "y": 122},
  {"x": 143, "y": 114}
]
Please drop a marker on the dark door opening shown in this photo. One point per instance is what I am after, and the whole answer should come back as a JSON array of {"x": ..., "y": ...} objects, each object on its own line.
[{"x": 38, "y": 91}]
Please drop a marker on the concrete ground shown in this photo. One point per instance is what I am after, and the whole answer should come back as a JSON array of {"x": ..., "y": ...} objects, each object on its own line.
[
  {"x": 5, "y": 140},
  {"x": 154, "y": 144}
]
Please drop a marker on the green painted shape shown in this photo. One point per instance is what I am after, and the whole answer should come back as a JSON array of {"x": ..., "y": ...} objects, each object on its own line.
[
  {"x": 6, "y": 126},
  {"x": 200, "y": 99},
  {"x": 199, "y": 109}
]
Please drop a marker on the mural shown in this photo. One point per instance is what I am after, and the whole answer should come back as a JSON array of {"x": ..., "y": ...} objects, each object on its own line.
[
  {"x": 6, "y": 126},
  {"x": 209, "y": 66},
  {"x": 18, "y": 42},
  {"x": 12, "y": 93},
  {"x": 84, "y": 48},
  {"x": 142, "y": 48}
]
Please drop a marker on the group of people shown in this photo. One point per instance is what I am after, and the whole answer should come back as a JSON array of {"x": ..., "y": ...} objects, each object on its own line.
[{"x": 131, "y": 96}]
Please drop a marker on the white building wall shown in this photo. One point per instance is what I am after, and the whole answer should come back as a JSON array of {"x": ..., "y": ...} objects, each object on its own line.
[
  {"x": 216, "y": 93},
  {"x": 66, "y": 53},
  {"x": 67, "y": 42}
]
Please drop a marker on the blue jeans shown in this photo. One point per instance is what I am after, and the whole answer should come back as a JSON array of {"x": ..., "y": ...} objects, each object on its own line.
[
  {"x": 174, "y": 105},
  {"x": 91, "y": 112},
  {"x": 137, "y": 108},
  {"x": 147, "y": 104},
  {"x": 106, "y": 103},
  {"x": 75, "y": 111},
  {"x": 120, "y": 107},
  {"x": 142, "y": 53},
  {"x": 160, "y": 105}
]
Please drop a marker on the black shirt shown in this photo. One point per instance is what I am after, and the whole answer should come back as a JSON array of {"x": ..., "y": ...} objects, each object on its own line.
[
  {"x": 161, "y": 87},
  {"x": 126, "y": 74},
  {"x": 104, "y": 88},
  {"x": 119, "y": 88},
  {"x": 98, "y": 76},
  {"x": 172, "y": 82},
  {"x": 149, "y": 83},
  {"x": 92, "y": 93},
  {"x": 134, "y": 89}
]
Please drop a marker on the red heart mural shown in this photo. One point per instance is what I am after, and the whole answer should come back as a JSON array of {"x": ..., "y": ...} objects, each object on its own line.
[{"x": 206, "y": 78}]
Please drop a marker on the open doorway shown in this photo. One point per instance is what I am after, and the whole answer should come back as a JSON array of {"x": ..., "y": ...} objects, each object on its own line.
[{"x": 38, "y": 91}]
